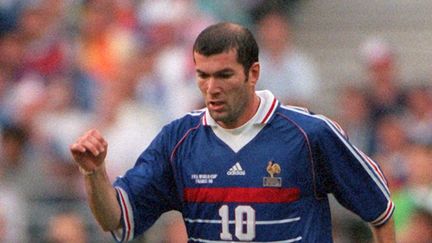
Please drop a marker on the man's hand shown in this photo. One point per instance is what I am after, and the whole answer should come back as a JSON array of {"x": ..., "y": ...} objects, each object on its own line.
[{"x": 90, "y": 150}]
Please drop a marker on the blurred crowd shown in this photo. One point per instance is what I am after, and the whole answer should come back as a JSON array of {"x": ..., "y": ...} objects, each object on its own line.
[
  {"x": 125, "y": 67},
  {"x": 391, "y": 120}
]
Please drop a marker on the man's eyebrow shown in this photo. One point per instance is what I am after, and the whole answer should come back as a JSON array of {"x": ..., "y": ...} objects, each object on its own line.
[{"x": 225, "y": 70}]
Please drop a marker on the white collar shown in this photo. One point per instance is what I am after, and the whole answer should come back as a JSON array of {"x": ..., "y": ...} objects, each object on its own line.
[{"x": 265, "y": 111}]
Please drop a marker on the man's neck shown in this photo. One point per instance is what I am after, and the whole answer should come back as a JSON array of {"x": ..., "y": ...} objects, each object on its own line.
[{"x": 247, "y": 116}]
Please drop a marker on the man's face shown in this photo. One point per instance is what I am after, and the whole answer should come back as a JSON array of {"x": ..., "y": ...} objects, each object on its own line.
[{"x": 226, "y": 89}]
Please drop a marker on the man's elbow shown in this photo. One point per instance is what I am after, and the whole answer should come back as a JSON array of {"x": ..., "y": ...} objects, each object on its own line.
[{"x": 109, "y": 226}]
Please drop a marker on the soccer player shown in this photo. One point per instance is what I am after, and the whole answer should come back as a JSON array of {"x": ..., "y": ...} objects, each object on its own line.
[{"x": 245, "y": 168}]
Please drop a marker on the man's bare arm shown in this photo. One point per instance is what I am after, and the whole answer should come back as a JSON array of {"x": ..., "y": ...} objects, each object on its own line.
[
  {"x": 384, "y": 233},
  {"x": 89, "y": 152}
]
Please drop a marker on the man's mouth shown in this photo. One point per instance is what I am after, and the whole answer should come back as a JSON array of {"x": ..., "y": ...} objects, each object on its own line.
[{"x": 216, "y": 105}]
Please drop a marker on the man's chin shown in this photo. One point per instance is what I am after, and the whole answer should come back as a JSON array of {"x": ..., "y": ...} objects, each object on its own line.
[{"x": 217, "y": 115}]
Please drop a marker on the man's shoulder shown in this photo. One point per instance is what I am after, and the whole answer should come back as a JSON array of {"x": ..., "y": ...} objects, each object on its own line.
[
  {"x": 188, "y": 121},
  {"x": 302, "y": 118},
  {"x": 311, "y": 123},
  {"x": 298, "y": 113},
  {"x": 191, "y": 117}
]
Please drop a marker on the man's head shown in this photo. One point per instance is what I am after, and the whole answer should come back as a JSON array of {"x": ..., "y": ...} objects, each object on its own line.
[
  {"x": 224, "y": 37},
  {"x": 227, "y": 68}
]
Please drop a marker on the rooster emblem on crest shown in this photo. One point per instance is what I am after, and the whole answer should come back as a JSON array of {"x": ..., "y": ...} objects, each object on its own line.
[{"x": 273, "y": 168}]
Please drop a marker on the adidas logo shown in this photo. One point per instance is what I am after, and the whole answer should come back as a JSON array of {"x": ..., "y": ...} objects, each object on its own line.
[{"x": 236, "y": 170}]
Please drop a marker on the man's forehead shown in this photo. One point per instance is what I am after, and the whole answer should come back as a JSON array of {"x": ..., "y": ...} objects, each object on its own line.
[
  {"x": 218, "y": 61},
  {"x": 229, "y": 52}
]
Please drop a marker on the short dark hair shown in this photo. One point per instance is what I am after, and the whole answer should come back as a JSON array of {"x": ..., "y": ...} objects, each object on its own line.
[{"x": 225, "y": 36}]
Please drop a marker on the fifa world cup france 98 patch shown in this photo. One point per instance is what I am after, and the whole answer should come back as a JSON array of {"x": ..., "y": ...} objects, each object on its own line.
[
  {"x": 204, "y": 178},
  {"x": 272, "y": 181}
]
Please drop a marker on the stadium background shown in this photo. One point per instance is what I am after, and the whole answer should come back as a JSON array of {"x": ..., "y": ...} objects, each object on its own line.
[{"x": 125, "y": 68}]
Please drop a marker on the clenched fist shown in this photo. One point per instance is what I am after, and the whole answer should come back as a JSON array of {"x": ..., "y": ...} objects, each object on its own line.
[{"x": 90, "y": 150}]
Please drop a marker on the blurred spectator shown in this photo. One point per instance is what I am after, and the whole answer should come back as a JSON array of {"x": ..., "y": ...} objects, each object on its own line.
[
  {"x": 420, "y": 228},
  {"x": 383, "y": 85},
  {"x": 8, "y": 15},
  {"x": 386, "y": 96},
  {"x": 355, "y": 117},
  {"x": 129, "y": 126},
  {"x": 13, "y": 212},
  {"x": 12, "y": 47},
  {"x": 13, "y": 144},
  {"x": 103, "y": 41},
  {"x": 227, "y": 10},
  {"x": 25, "y": 100},
  {"x": 66, "y": 227},
  {"x": 417, "y": 191},
  {"x": 391, "y": 152},
  {"x": 19, "y": 166},
  {"x": 285, "y": 70},
  {"x": 173, "y": 65},
  {"x": 149, "y": 89},
  {"x": 418, "y": 115},
  {"x": 60, "y": 120},
  {"x": 41, "y": 26}
]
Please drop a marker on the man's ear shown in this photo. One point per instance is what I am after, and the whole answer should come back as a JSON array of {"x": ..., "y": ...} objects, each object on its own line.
[{"x": 254, "y": 72}]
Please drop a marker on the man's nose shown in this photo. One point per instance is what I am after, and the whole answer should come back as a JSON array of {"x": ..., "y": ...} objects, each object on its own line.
[{"x": 213, "y": 85}]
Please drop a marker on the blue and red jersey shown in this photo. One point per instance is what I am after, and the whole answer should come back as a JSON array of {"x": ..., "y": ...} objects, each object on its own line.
[{"x": 272, "y": 189}]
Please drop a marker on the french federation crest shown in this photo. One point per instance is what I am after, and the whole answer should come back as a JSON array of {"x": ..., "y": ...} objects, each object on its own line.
[{"x": 272, "y": 181}]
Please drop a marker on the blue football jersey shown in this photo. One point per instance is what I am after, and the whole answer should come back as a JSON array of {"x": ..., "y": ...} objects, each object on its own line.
[{"x": 273, "y": 189}]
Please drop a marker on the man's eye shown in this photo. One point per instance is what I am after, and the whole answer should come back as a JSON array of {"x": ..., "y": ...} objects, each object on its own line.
[
  {"x": 202, "y": 76},
  {"x": 225, "y": 75}
]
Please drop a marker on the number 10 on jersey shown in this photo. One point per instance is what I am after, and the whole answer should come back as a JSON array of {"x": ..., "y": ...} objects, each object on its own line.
[{"x": 244, "y": 221}]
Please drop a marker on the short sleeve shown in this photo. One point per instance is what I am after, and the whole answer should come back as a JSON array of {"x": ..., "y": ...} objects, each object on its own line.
[
  {"x": 356, "y": 180},
  {"x": 146, "y": 191}
]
